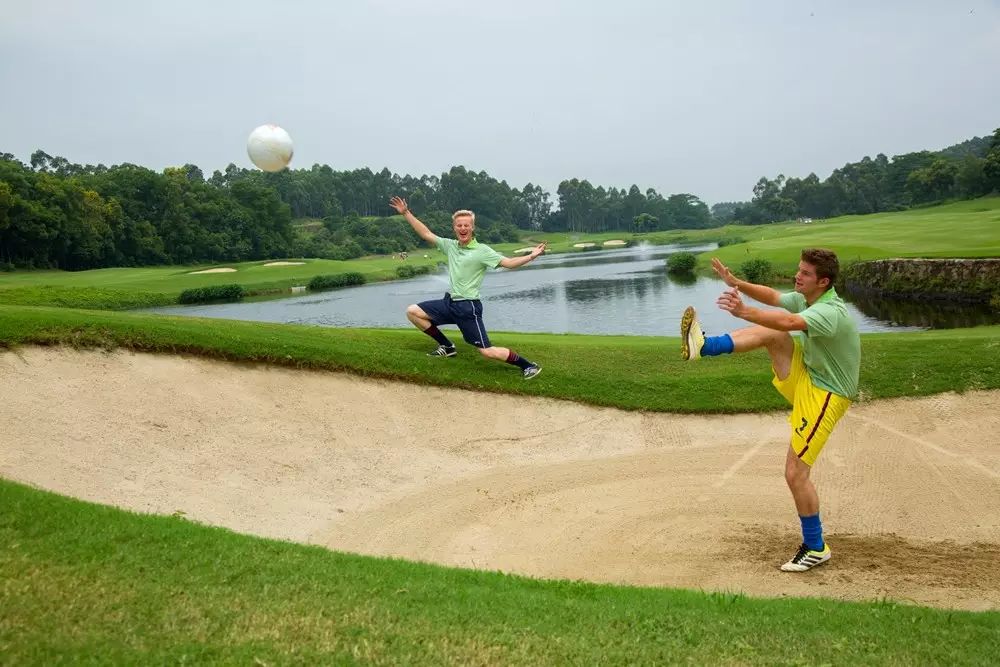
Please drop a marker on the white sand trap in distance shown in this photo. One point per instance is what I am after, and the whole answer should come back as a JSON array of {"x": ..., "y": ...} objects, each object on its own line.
[
  {"x": 614, "y": 243},
  {"x": 284, "y": 263},
  {"x": 522, "y": 251},
  {"x": 221, "y": 269},
  {"x": 535, "y": 486},
  {"x": 584, "y": 245}
]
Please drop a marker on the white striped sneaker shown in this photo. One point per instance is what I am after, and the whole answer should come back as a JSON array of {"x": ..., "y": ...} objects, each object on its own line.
[
  {"x": 806, "y": 559},
  {"x": 443, "y": 351}
]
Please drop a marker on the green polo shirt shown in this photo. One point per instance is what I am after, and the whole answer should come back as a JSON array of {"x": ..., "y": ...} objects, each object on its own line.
[
  {"x": 831, "y": 346},
  {"x": 467, "y": 265}
]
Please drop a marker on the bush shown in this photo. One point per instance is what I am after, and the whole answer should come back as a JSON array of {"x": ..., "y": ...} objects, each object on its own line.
[
  {"x": 409, "y": 270},
  {"x": 212, "y": 293},
  {"x": 758, "y": 271},
  {"x": 731, "y": 240},
  {"x": 336, "y": 280},
  {"x": 681, "y": 262}
]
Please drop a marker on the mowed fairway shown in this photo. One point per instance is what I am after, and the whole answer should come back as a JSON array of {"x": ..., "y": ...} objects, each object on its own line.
[
  {"x": 158, "y": 285},
  {"x": 964, "y": 229}
]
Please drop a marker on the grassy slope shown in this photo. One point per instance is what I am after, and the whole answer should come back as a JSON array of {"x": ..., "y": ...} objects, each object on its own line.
[
  {"x": 963, "y": 229},
  {"x": 628, "y": 372}
]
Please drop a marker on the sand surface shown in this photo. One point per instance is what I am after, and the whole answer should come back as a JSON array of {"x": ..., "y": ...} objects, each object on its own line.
[{"x": 910, "y": 487}]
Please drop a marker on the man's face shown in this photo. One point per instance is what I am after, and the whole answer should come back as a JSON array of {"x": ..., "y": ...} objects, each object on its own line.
[
  {"x": 464, "y": 228},
  {"x": 806, "y": 282}
]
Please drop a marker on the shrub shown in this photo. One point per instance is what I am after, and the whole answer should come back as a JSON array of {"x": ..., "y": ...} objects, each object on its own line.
[
  {"x": 336, "y": 280},
  {"x": 681, "y": 262},
  {"x": 757, "y": 271},
  {"x": 409, "y": 270},
  {"x": 731, "y": 240},
  {"x": 212, "y": 293}
]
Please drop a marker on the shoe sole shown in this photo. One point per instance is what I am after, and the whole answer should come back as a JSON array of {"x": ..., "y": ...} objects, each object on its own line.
[
  {"x": 531, "y": 377},
  {"x": 686, "y": 321},
  {"x": 443, "y": 356}
]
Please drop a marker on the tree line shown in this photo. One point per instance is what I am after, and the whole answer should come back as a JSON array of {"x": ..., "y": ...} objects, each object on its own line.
[
  {"x": 57, "y": 214},
  {"x": 964, "y": 171}
]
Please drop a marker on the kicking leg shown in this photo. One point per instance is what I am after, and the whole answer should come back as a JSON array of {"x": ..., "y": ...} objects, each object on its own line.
[
  {"x": 779, "y": 344},
  {"x": 694, "y": 343}
]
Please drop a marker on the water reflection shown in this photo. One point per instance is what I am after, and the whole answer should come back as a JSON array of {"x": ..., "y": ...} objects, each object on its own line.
[
  {"x": 599, "y": 289},
  {"x": 928, "y": 314}
]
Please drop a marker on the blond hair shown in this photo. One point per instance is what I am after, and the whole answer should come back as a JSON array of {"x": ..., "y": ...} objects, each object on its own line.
[{"x": 463, "y": 213}]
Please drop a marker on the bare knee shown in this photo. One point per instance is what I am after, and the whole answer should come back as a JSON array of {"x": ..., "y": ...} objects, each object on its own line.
[
  {"x": 486, "y": 352},
  {"x": 775, "y": 339},
  {"x": 796, "y": 473},
  {"x": 416, "y": 314}
]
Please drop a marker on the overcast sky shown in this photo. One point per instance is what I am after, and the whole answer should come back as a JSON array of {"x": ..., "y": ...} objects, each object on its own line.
[{"x": 700, "y": 97}]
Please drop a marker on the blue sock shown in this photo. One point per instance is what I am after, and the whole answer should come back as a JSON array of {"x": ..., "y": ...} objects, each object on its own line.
[
  {"x": 716, "y": 345},
  {"x": 812, "y": 532}
]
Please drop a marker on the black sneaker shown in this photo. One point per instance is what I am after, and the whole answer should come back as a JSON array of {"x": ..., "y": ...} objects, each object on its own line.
[
  {"x": 531, "y": 371},
  {"x": 443, "y": 351}
]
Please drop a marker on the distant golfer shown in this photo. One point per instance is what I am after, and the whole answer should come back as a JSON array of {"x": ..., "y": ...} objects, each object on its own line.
[
  {"x": 816, "y": 372},
  {"x": 467, "y": 263}
]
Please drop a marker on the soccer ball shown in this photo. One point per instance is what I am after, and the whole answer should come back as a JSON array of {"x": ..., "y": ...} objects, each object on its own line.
[{"x": 270, "y": 148}]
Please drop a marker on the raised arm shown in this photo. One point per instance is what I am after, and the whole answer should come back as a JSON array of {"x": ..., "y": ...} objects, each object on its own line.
[
  {"x": 515, "y": 262},
  {"x": 761, "y": 293},
  {"x": 420, "y": 228}
]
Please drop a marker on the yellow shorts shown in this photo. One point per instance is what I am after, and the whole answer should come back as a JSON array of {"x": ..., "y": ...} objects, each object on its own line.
[{"x": 815, "y": 411}]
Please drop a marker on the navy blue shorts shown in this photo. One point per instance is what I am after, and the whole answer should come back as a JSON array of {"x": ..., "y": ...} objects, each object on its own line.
[{"x": 467, "y": 314}]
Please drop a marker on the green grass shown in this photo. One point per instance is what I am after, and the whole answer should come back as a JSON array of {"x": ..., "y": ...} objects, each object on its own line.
[
  {"x": 636, "y": 373},
  {"x": 123, "y": 288},
  {"x": 963, "y": 229},
  {"x": 91, "y": 584},
  {"x": 82, "y": 583}
]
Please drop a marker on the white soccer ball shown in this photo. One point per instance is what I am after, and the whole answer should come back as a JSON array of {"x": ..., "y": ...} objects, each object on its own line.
[{"x": 270, "y": 148}]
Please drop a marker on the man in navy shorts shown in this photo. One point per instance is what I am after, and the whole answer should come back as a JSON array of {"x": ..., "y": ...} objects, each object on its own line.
[{"x": 468, "y": 261}]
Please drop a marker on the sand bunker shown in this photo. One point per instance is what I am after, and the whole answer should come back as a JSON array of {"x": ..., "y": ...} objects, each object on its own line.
[
  {"x": 225, "y": 269},
  {"x": 584, "y": 245},
  {"x": 615, "y": 243},
  {"x": 522, "y": 251},
  {"x": 535, "y": 486},
  {"x": 284, "y": 264}
]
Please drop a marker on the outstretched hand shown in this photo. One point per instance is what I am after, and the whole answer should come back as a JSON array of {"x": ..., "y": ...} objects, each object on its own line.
[
  {"x": 399, "y": 204},
  {"x": 723, "y": 272},
  {"x": 731, "y": 302},
  {"x": 539, "y": 249}
]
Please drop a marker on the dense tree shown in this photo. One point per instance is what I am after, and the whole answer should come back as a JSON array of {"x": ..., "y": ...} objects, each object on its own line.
[
  {"x": 880, "y": 184},
  {"x": 54, "y": 213}
]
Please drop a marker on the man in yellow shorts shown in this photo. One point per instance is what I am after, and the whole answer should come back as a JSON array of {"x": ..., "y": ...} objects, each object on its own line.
[{"x": 816, "y": 372}]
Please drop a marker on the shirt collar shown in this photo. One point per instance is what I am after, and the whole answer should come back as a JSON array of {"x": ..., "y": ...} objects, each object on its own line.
[{"x": 828, "y": 295}]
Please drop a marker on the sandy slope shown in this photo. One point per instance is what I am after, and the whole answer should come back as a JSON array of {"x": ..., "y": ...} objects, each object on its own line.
[{"x": 911, "y": 488}]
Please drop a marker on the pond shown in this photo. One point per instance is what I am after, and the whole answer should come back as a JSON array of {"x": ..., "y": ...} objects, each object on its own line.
[{"x": 624, "y": 291}]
